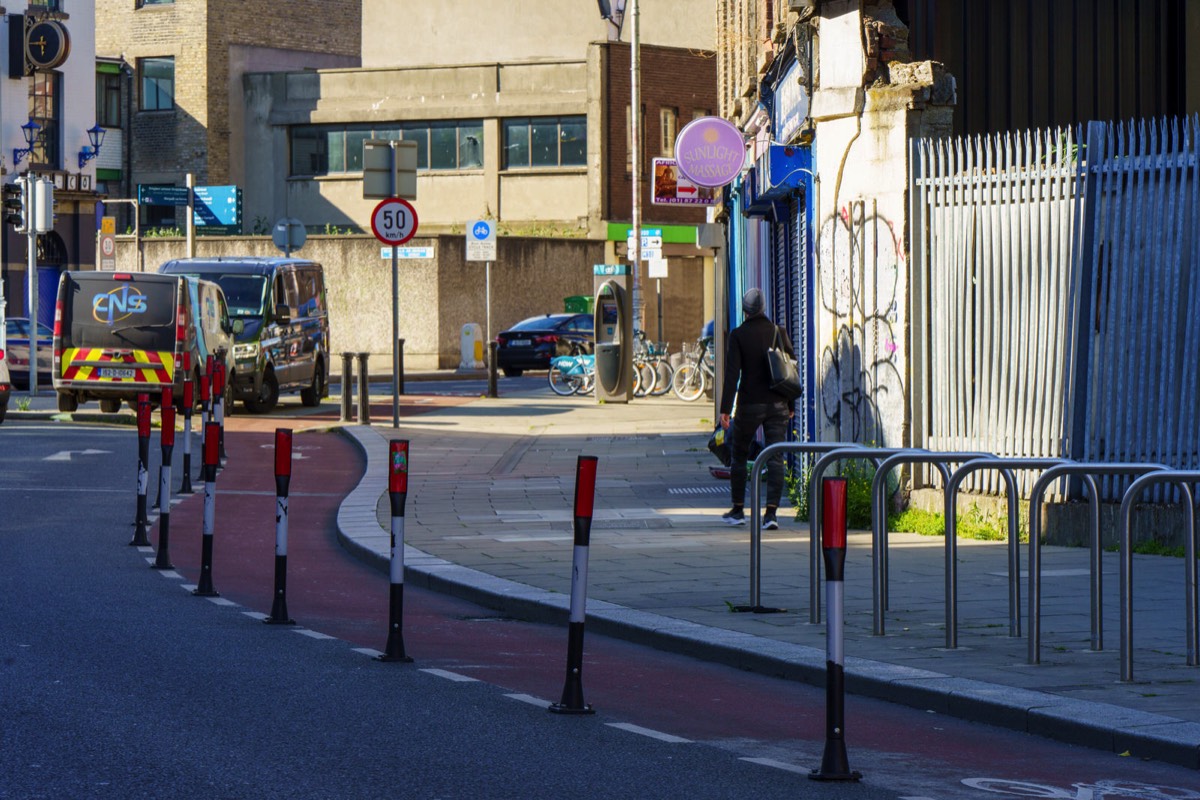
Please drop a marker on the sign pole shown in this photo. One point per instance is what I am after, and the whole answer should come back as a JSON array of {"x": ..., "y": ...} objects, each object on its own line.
[
  {"x": 489, "y": 302},
  {"x": 395, "y": 313}
]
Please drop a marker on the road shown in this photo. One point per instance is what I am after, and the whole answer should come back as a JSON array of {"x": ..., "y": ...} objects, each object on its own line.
[{"x": 116, "y": 682}]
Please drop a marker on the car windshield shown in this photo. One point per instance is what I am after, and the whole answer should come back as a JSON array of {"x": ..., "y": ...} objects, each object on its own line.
[
  {"x": 243, "y": 294},
  {"x": 539, "y": 323}
]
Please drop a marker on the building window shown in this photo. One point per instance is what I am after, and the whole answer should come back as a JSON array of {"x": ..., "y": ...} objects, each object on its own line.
[
  {"x": 158, "y": 84},
  {"x": 545, "y": 142},
  {"x": 108, "y": 100},
  {"x": 336, "y": 149},
  {"x": 668, "y": 121},
  {"x": 45, "y": 108},
  {"x": 143, "y": 3}
]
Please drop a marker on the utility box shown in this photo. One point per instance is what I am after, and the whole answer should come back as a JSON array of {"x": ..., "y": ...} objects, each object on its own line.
[
  {"x": 578, "y": 304},
  {"x": 613, "y": 310}
]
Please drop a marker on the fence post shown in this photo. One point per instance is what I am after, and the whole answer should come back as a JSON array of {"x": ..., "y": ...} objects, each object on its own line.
[{"x": 585, "y": 494}]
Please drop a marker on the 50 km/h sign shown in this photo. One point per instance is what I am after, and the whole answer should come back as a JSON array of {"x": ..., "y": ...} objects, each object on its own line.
[{"x": 394, "y": 221}]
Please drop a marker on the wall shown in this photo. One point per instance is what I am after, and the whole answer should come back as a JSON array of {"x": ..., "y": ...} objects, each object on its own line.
[{"x": 408, "y": 33}]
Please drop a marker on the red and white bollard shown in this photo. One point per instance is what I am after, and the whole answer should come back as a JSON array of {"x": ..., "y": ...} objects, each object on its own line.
[
  {"x": 141, "y": 522},
  {"x": 167, "y": 441},
  {"x": 283, "y": 476},
  {"x": 218, "y": 401},
  {"x": 397, "y": 494},
  {"x": 585, "y": 495},
  {"x": 185, "y": 487},
  {"x": 834, "y": 764},
  {"x": 205, "y": 414},
  {"x": 205, "y": 587}
]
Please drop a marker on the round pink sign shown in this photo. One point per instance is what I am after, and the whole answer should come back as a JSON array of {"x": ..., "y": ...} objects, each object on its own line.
[{"x": 711, "y": 151}]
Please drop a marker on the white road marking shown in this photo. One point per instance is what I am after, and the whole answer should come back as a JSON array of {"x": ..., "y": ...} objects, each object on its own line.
[
  {"x": 769, "y": 762},
  {"x": 451, "y": 676},
  {"x": 366, "y": 651},
  {"x": 256, "y": 615},
  {"x": 528, "y": 698},
  {"x": 311, "y": 634},
  {"x": 170, "y": 573},
  {"x": 65, "y": 455},
  {"x": 662, "y": 737}
]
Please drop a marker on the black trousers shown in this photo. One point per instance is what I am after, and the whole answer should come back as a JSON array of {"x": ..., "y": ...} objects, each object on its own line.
[{"x": 773, "y": 417}]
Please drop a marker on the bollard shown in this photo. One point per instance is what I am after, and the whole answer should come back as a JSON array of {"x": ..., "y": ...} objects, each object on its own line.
[
  {"x": 205, "y": 416},
  {"x": 364, "y": 410},
  {"x": 166, "y": 437},
  {"x": 283, "y": 475},
  {"x": 492, "y": 390},
  {"x": 218, "y": 401},
  {"x": 188, "y": 401},
  {"x": 834, "y": 764},
  {"x": 400, "y": 362},
  {"x": 585, "y": 494},
  {"x": 397, "y": 493},
  {"x": 140, "y": 523},
  {"x": 347, "y": 384},
  {"x": 210, "y": 456}
]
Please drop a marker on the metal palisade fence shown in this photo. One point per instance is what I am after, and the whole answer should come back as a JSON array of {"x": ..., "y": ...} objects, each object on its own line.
[{"x": 1056, "y": 288}]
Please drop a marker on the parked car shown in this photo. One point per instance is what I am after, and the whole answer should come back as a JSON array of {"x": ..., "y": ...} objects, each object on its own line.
[
  {"x": 283, "y": 341},
  {"x": 17, "y": 354},
  {"x": 531, "y": 343}
]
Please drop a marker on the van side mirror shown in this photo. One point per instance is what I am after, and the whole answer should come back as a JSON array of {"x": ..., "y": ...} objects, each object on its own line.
[
  {"x": 283, "y": 314},
  {"x": 234, "y": 326}
]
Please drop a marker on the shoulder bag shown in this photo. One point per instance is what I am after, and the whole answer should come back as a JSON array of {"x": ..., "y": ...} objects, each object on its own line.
[{"x": 784, "y": 375}]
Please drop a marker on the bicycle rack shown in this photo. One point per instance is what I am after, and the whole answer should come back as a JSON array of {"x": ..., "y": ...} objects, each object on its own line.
[
  {"x": 760, "y": 462},
  {"x": 1184, "y": 480},
  {"x": 879, "y": 573},
  {"x": 1005, "y": 466},
  {"x": 815, "y": 510},
  {"x": 1089, "y": 469}
]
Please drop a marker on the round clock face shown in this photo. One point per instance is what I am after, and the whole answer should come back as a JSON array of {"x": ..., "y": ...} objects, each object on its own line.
[{"x": 47, "y": 44}]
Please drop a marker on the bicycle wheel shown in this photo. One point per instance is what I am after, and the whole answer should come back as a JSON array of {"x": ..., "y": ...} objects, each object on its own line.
[
  {"x": 643, "y": 379},
  {"x": 688, "y": 383},
  {"x": 587, "y": 382},
  {"x": 664, "y": 373},
  {"x": 562, "y": 383}
]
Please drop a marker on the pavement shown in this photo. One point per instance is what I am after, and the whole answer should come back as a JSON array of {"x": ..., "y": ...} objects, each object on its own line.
[{"x": 489, "y": 517}]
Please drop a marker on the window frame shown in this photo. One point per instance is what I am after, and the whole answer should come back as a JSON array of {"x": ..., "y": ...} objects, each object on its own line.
[
  {"x": 329, "y": 145},
  {"x": 528, "y": 127},
  {"x": 142, "y": 82}
]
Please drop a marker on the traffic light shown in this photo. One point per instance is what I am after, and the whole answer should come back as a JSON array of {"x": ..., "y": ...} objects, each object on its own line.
[{"x": 15, "y": 212}]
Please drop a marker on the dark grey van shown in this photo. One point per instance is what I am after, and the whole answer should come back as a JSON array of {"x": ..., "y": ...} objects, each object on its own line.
[{"x": 284, "y": 341}]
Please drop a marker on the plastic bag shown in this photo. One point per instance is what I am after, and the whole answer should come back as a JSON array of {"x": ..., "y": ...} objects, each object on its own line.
[{"x": 719, "y": 446}]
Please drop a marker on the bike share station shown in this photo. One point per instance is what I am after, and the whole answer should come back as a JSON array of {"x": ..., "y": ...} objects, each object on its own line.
[{"x": 614, "y": 333}]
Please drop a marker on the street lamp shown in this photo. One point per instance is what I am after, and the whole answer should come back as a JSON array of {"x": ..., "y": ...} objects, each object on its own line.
[
  {"x": 96, "y": 137},
  {"x": 30, "y": 131}
]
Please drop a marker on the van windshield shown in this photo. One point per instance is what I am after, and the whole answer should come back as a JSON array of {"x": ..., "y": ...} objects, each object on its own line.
[{"x": 243, "y": 293}]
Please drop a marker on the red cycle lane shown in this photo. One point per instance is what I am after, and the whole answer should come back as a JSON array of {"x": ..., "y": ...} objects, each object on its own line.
[{"x": 333, "y": 593}]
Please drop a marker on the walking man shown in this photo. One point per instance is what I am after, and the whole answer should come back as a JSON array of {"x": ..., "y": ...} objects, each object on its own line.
[{"x": 747, "y": 377}]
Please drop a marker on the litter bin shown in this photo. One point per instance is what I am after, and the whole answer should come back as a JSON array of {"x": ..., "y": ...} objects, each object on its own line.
[{"x": 578, "y": 304}]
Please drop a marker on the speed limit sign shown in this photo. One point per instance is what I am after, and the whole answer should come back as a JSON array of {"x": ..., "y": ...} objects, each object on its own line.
[{"x": 394, "y": 221}]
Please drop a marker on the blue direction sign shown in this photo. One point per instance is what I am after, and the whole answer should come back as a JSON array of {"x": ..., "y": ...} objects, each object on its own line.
[
  {"x": 163, "y": 195},
  {"x": 218, "y": 205}
]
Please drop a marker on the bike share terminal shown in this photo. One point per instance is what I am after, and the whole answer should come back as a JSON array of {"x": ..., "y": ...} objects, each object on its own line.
[{"x": 614, "y": 333}]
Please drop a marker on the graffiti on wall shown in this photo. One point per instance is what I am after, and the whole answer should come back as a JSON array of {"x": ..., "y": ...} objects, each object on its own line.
[{"x": 861, "y": 294}]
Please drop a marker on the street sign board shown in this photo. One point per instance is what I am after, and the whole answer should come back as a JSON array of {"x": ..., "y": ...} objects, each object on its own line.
[
  {"x": 106, "y": 252},
  {"x": 289, "y": 234},
  {"x": 481, "y": 240},
  {"x": 218, "y": 206},
  {"x": 394, "y": 221},
  {"x": 389, "y": 169},
  {"x": 411, "y": 253},
  {"x": 162, "y": 195},
  {"x": 647, "y": 241},
  {"x": 650, "y": 253},
  {"x": 672, "y": 188},
  {"x": 656, "y": 268}
]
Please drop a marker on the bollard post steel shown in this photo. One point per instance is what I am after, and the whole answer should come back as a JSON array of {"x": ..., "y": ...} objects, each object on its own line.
[
  {"x": 205, "y": 414},
  {"x": 493, "y": 386},
  {"x": 189, "y": 400},
  {"x": 167, "y": 440},
  {"x": 283, "y": 476},
  {"x": 835, "y": 766},
  {"x": 347, "y": 384},
  {"x": 218, "y": 400},
  {"x": 397, "y": 494},
  {"x": 364, "y": 390},
  {"x": 140, "y": 520},
  {"x": 205, "y": 587},
  {"x": 585, "y": 495}
]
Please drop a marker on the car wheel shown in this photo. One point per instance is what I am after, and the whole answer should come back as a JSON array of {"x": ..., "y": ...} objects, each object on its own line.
[
  {"x": 512, "y": 372},
  {"x": 268, "y": 396},
  {"x": 311, "y": 396},
  {"x": 109, "y": 405},
  {"x": 68, "y": 403}
]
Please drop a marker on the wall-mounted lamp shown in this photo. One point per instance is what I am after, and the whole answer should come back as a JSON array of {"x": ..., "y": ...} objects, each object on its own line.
[
  {"x": 96, "y": 137},
  {"x": 30, "y": 131}
]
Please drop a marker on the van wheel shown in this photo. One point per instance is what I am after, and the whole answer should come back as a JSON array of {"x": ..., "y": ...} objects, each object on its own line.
[
  {"x": 511, "y": 372},
  {"x": 110, "y": 405},
  {"x": 268, "y": 397},
  {"x": 68, "y": 403},
  {"x": 311, "y": 396}
]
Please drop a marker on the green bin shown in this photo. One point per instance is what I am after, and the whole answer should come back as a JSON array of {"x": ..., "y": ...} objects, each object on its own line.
[{"x": 579, "y": 304}]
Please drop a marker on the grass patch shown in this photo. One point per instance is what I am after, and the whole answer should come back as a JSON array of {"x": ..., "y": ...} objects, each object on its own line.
[{"x": 1152, "y": 547}]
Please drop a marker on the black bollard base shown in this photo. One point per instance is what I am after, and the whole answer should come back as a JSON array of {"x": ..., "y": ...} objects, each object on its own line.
[
  {"x": 401, "y": 659},
  {"x": 559, "y": 708},
  {"x": 757, "y": 610},
  {"x": 140, "y": 536}
]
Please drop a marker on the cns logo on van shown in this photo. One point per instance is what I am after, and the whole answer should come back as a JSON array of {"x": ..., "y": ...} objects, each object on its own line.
[{"x": 118, "y": 304}]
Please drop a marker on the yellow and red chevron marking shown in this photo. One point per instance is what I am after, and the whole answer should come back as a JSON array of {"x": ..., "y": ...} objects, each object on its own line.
[{"x": 85, "y": 363}]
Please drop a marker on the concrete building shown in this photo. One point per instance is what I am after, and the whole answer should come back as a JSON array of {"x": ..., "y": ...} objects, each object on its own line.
[{"x": 47, "y": 106}]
